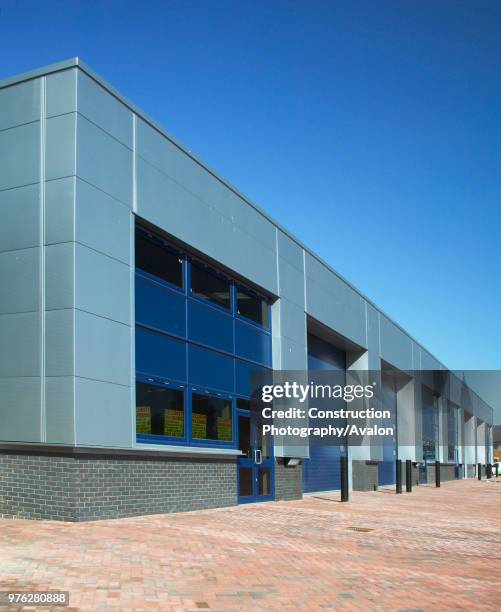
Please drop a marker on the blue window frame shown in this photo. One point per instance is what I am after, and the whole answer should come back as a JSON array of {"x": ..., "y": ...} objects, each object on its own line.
[{"x": 199, "y": 333}]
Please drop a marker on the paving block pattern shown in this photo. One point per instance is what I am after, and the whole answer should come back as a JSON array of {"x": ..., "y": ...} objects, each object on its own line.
[{"x": 433, "y": 549}]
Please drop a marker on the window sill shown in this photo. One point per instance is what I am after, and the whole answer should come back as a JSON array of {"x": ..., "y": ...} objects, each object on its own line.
[{"x": 192, "y": 450}]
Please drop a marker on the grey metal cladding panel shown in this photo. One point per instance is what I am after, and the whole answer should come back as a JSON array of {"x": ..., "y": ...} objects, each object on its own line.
[
  {"x": 276, "y": 352},
  {"x": 291, "y": 282},
  {"x": 455, "y": 387},
  {"x": 292, "y": 321},
  {"x": 105, "y": 110},
  {"x": 59, "y": 410},
  {"x": 240, "y": 213},
  {"x": 102, "y": 285},
  {"x": 60, "y": 146},
  {"x": 107, "y": 405},
  {"x": 59, "y": 342},
  {"x": 60, "y": 210},
  {"x": 103, "y": 349},
  {"x": 396, "y": 347},
  {"x": 59, "y": 275},
  {"x": 293, "y": 355},
  {"x": 372, "y": 316},
  {"x": 20, "y": 408},
  {"x": 61, "y": 93},
  {"x": 102, "y": 222},
  {"x": 103, "y": 161},
  {"x": 428, "y": 362},
  {"x": 166, "y": 204},
  {"x": 20, "y": 344},
  {"x": 19, "y": 279},
  {"x": 166, "y": 156},
  {"x": 19, "y": 104},
  {"x": 290, "y": 251},
  {"x": 20, "y": 156},
  {"x": 177, "y": 165},
  {"x": 247, "y": 257},
  {"x": 334, "y": 303},
  {"x": 19, "y": 215}
]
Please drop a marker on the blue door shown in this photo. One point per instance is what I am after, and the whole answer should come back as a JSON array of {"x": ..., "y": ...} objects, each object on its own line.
[{"x": 255, "y": 466}]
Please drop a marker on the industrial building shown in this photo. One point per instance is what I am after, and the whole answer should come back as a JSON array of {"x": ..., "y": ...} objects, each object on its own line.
[{"x": 140, "y": 292}]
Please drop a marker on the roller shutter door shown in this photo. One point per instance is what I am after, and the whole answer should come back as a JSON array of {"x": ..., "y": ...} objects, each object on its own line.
[
  {"x": 321, "y": 472},
  {"x": 387, "y": 467}
]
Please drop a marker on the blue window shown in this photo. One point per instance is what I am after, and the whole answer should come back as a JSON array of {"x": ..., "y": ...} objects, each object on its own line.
[
  {"x": 210, "y": 326},
  {"x": 200, "y": 340},
  {"x": 248, "y": 377},
  {"x": 211, "y": 418},
  {"x": 252, "y": 343},
  {"x": 160, "y": 355},
  {"x": 210, "y": 369},
  {"x": 160, "y": 307},
  {"x": 159, "y": 410},
  {"x": 155, "y": 257},
  {"x": 430, "y": 424},
  {"x": 209, "y": 285},
  {"x": 253, "y": 307}
]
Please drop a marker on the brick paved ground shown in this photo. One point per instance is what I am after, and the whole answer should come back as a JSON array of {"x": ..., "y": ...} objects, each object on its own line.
[{"x": 436, "y": 549}]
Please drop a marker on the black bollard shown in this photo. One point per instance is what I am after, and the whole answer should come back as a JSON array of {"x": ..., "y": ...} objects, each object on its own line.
[
  {"x": 437, "y": 473},
  {"x": 488, "y": 470},
  {"x": 398, "y": 468},
  {"x": 408, "y": 476},
  {"x": 497, "y": 470},
  {"x": 344, "y": 478},
  {"x": 479, "y": 471}
]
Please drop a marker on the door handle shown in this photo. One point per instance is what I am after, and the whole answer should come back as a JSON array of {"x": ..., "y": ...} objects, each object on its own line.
[{"x": 258, "y": 456}]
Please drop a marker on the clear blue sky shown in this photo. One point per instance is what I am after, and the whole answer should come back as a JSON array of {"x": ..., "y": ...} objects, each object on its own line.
[{"x": 370, "y": 129}]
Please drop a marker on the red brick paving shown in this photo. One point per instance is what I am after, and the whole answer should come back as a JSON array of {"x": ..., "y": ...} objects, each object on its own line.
[{"x": 434, "y": 549}]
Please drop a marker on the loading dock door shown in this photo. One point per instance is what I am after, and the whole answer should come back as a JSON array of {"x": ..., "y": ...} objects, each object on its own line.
[
  {"x": 321, "y": 472},
  {"x": 387, "y": 467}
]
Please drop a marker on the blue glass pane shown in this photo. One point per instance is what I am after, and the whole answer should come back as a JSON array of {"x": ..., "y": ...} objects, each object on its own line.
[
  {"x": 160, "y": 307},
  {"x": 159, "y": 355},
  {"x": 246, "y": 377},
  {"x": 210, "y": 326},
  {"x": 252, "y": 343},
  {"x": 210, "y": 369}
]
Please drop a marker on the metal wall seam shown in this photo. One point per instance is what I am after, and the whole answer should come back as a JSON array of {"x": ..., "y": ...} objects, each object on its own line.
[
  {"x": 43, "y": 423},
  {"x": 134, "y": 178}
]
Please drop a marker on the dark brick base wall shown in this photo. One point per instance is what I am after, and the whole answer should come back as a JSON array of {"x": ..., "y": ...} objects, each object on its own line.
[
  {"x": 364, "y": 475},
  {"x": 37, "y": 487},
  {"x": 447, "y": 472},
  {"x": 89, "y": 488},
  {"x": 288, "y": 481}
]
